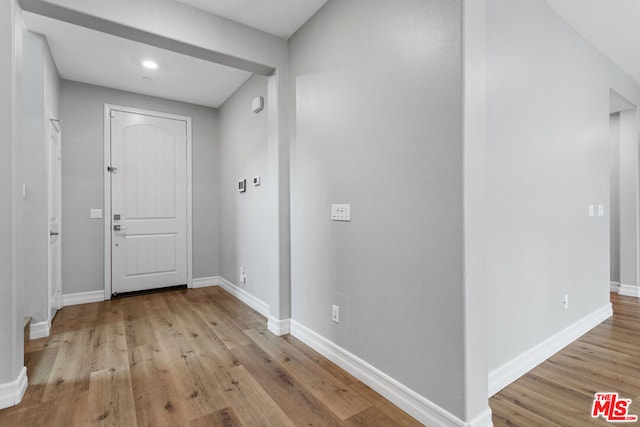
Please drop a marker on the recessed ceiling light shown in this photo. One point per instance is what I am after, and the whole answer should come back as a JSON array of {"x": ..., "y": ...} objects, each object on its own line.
[{"x": 149, "y": 64}]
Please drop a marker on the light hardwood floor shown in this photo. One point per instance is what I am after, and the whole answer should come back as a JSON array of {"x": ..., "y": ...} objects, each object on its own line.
[
  {"x": 185, "y": 358},
  {"x": 560, "y": 391}
]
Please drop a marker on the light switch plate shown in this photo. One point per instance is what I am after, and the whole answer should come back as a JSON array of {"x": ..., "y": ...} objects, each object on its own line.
[
  {"x": 95, "y": 214},
  {"x": 341, "y": 212},
  {"x": 592, "y": 210},
  {"x": 600, "y": 210}
]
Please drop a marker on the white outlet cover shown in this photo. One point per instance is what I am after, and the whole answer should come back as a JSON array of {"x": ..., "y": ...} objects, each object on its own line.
[{"x": 341, "y": 212}]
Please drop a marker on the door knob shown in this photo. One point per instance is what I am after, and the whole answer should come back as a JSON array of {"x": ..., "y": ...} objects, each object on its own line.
[
  {"x": 119, "y": 228},
  {"x": 54, "y": 233}
]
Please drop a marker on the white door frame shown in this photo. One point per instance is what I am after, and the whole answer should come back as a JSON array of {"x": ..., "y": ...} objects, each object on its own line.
[
  {"x": 55, "y": 131},
  {"x": 107, "y": 189}
]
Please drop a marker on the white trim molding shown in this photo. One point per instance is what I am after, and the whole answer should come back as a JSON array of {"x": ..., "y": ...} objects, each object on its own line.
[
  {"x": 12, "y": 393},
  {"x": 504, "y": 375},
  {"x": 408, "y": 400},
  {"x": 244, "y": 296},
  {"x": 39, "y": 330},
  {"x": 82, "y": 298},
  {"x": 629, "y": 290},
  {"x": 278, "y": 327},
  {"x": 205, "y": 282},
  {"x": 614, "y": 287}
]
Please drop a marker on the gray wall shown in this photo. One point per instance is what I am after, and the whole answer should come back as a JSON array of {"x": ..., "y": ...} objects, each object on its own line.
[
  {"x": 11, "y": 212},
  {"x": 41, "y": 96},
  {"x": 546, "y": 159},
  {"x": 82, "y": 181},
  {"x": 35, "y": 205},
  {"x": 243, "y": 155},
  {"x": 376, "y": 97},
  {"x": 614, "y": 196}
]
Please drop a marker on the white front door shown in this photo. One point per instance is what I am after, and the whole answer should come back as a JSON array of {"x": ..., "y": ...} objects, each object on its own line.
[
  {"x": 148, "y": 202},
  {"x": 54, "y": 202}
]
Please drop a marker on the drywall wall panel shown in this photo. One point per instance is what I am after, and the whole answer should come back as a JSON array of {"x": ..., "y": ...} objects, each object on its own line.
[
  {"x": 243, "y": 156},
  {"x": 376, "y": 90},
  {"x": 547, "y": 160}
]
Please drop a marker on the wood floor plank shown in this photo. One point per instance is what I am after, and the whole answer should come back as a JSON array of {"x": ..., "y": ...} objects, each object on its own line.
[
  {"x": 560, "y": 391},
  {"x": 111, "y": 398},
  {"x": 138, "y": 328},
  {"x": 383, "y": 405},
  {"x": 298, "y": 402},
  {"x": 253, "y": 405},
  {"x": 185, "y": 358},
  {"x": 192, "y": 378},
  {"x": 321, "y": 361},
  {"x": 223, "y": 418},
  {"x": 227, "y": 330},
  {"x": 328, "y": 389},
  {"x": 71, "y": 369},
  {"x": 154, "y": 392},
  {"x": 110, "y": 348},
  {"x": 370, "y": 417}
]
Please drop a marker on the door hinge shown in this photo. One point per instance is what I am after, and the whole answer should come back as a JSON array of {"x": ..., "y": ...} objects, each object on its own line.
[{"x": 111, "y": 169}]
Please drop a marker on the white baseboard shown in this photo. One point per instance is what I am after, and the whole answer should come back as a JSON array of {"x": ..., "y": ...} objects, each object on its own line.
[
  {"x": 279, "y": 327},
  {"x": 39, "y": 330},
  {"x": 629, "y": 290},
  {"x": 205, "y": 282},
  {"x": 501, "y": 377},
  {"x": 82, "y": 298},
  {"x": 408, "y": 400},
  {"x": 614, "y": 287},
  {"x": 12, "y": 393},
  {"x": 244, "y": 296}
]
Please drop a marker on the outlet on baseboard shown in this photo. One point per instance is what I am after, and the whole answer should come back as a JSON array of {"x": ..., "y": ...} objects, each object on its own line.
[
  {"x": 243, "y": 274},
  {"x": 335, "y": 313},
  {"x": 565, "y": 301}
]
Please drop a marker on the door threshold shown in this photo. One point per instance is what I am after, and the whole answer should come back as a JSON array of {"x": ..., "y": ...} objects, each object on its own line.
[{"x": 148, "y": 291}]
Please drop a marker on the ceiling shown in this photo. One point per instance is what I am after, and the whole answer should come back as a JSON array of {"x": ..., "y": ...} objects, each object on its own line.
[
  {"x": 611, "y": 26},
  {"x": 278, "y": 17},
  {"x": 97, "y": 58}
]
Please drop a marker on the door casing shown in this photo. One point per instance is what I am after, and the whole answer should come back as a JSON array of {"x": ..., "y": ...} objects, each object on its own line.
[
  {"x": 54, "y": 284},
  {"x": 107, "y": 190}
]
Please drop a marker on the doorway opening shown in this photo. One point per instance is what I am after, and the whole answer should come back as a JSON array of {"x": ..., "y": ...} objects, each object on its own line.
[
  {"x": 147, "y": 199},
  {"x": 623, "y": 180}
]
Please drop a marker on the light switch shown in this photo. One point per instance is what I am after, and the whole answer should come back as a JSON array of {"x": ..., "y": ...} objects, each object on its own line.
[
  {"x": 600, "y": 210},
  {"x": 341, "y": 212},
  {"x": 592, "y": 210},
  {"x": 95, "y": 214}
]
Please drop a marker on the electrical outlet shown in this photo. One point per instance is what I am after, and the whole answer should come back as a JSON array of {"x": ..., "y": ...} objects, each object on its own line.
[
  {"x": 341, "y": 212},
  {"x": 243, "y": 274},
  {"x": 565, "y": 301},
  {"x": 335, "y": 313}
]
